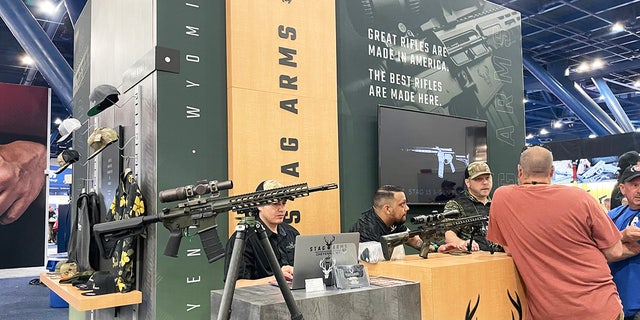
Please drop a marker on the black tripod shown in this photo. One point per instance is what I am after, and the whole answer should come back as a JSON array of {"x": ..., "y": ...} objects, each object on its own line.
[{"x": 250, "y": 224}]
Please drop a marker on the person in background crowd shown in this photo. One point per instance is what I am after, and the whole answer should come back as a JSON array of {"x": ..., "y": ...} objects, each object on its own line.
[
  {"x": 606, "y": 202},
  {"x": 448, "y": 191},
  {"x": 51, "y": 219},
  {"x": 626, "y": 273},
  {"x": 560, "y": 248},
  {"x": 22, "y": 177},
  {"x": 387, "y": 216},
  {"x": 475, "y": 201},
  {"x": 254, "y": 267},
  {"x": 626, "y": 159}
]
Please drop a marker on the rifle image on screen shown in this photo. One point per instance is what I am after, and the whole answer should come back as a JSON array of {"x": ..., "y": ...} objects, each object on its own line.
[
  {"x": 445, "y": 157},
  {"x": 433, "y": 226},
  {"x": 199, "y": 212}
]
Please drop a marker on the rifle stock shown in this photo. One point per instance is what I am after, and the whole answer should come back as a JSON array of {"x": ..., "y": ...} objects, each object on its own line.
[{"x": 200, "y": 213}]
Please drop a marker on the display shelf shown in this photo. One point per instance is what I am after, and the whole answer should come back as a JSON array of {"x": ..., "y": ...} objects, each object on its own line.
[{"x": 74, "y": 297}]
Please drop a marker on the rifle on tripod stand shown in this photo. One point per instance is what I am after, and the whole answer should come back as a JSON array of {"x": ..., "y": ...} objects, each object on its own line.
[{"x": 197, "y": 211}]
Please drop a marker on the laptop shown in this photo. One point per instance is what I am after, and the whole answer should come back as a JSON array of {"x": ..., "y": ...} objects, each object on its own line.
[{"x": 316, "y": 255}]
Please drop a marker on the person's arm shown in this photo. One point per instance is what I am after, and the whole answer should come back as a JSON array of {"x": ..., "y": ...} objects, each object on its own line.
[
  {"x": 287, "y": 271},
  {"x": 415, "y": 242},
  {"x": 450, "y": 236},
  {"x": 629, "y": 245},
  {"x": 22, "y": 177}
]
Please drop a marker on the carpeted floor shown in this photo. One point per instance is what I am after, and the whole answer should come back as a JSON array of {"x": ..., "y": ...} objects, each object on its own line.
[{"x": 20, "y": 300}]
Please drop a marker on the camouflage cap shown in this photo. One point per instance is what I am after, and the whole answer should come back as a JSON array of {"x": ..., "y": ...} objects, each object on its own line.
[
  {"x": 268, "y": 185},
  {"x": 476, "y": 169},
  {"x": 100, "y": 139}
]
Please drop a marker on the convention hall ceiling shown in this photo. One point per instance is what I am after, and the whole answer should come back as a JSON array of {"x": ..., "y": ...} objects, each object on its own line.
[{"x": 571, "y": 40}]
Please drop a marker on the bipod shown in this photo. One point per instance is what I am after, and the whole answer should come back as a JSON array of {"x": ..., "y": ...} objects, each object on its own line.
[{"x": 249, "y": 224}]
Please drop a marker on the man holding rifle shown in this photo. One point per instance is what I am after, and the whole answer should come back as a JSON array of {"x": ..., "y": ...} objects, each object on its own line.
[
  {"x": 474, "y": 201},
  {"x": 387, "y": 216}
]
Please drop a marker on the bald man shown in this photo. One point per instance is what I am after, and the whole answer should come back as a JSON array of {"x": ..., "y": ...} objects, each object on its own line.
[{"x": 560, "y": 240}]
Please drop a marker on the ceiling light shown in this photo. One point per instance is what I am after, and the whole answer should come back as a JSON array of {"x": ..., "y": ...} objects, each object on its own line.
[
  {"x": 556, "y": 124},
  {"x": 591, "y": 136},
  {"x": 47, "y": 7},
  {"x": 530, "y": 135},
  {"x": 544, "y": 131},
  {"x": 597, "y": 64},
  {"x": 617, "y": 27},
  {"x": 26, "y": 59},
  {"x": 525, "y": 100},
  {"x": 637, "y": 83},
  {"x": 57, "y": 121},
  {"x": 583, "y": 67}
]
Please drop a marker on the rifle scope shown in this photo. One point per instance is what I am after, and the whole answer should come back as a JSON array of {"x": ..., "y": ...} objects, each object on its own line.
[
  {"x": 201, "y": 188},
  {"x": 435, "y": 217}
]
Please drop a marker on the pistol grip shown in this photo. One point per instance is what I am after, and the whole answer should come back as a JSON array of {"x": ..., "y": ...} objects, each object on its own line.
[
  {"x": 171, "y": 250},
  {"x": 424, "y": 250}
]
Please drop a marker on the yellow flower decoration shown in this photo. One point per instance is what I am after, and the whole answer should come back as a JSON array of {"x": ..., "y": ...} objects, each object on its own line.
[
  {"x": 123, "y": 201},
  {"x": 121, "y": 285},
  {"x": 124, "y": 259},
  {"x": 113, "y": 206},
  {"x": 138, "y": 207}
]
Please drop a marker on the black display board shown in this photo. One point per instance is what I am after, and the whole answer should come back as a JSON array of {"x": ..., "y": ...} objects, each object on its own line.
[{"x": 420, "y": 150}]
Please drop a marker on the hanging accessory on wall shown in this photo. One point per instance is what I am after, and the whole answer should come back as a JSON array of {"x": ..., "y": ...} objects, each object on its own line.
[
  {"x": 67, "y": 127},
  {"x": 66, "y": 158},
  {"x": 103, "y": 97},
  {"x": 100, "y": 139}
]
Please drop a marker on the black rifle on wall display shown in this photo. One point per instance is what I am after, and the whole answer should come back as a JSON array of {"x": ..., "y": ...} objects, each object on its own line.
[
  {"x": 197, "y": 211},
  {"x": 433, "y": 226}
]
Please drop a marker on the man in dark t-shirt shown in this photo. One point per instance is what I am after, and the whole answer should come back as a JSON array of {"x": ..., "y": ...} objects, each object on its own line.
[
  {"x": 254, "y": 266},
  {"x": 387, "y": 216}
]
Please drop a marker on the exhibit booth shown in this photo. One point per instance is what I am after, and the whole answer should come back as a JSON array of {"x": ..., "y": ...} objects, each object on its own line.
[{"x": 306, "y": 93}]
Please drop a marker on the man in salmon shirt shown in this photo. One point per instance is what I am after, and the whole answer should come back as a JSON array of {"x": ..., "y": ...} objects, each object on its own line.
[{"x": 560, "y": 240}]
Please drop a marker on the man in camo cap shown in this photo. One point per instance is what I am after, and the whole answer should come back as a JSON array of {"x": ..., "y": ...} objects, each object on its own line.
[{"x": 475, "y": 201}]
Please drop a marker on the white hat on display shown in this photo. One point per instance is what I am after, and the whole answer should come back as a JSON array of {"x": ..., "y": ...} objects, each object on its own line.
[{"x": 67, "y": 127}]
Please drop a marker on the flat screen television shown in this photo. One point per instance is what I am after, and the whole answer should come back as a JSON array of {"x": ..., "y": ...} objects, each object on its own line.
[{"x": 423, "y": 152}]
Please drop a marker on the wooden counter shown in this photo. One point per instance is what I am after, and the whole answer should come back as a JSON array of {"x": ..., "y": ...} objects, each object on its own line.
[
  {"x": 452, "y": 286},
  {"x": 74, "y": 297}
]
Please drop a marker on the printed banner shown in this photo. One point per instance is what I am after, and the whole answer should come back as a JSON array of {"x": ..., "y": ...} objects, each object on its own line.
[
  {"x": 24, "y": 128},
  {"x": 282, "y": 104}
]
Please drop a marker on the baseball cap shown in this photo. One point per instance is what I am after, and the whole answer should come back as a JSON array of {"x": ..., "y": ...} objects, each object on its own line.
[
  {"x": 447, "y": 184},
  {"x": 101, "y": 282},
  {"x": 100, "y": 139},
  {"x": 630, "y": 173},
  {"x": 67, "y": 127},
  {"x": 628, "y": 158},
  {"x": 476, "y": 169},
  {"x": 270, "y": 184},
  {"x": 104, "y": 96},
  {"x": 66, "y": 158}
]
